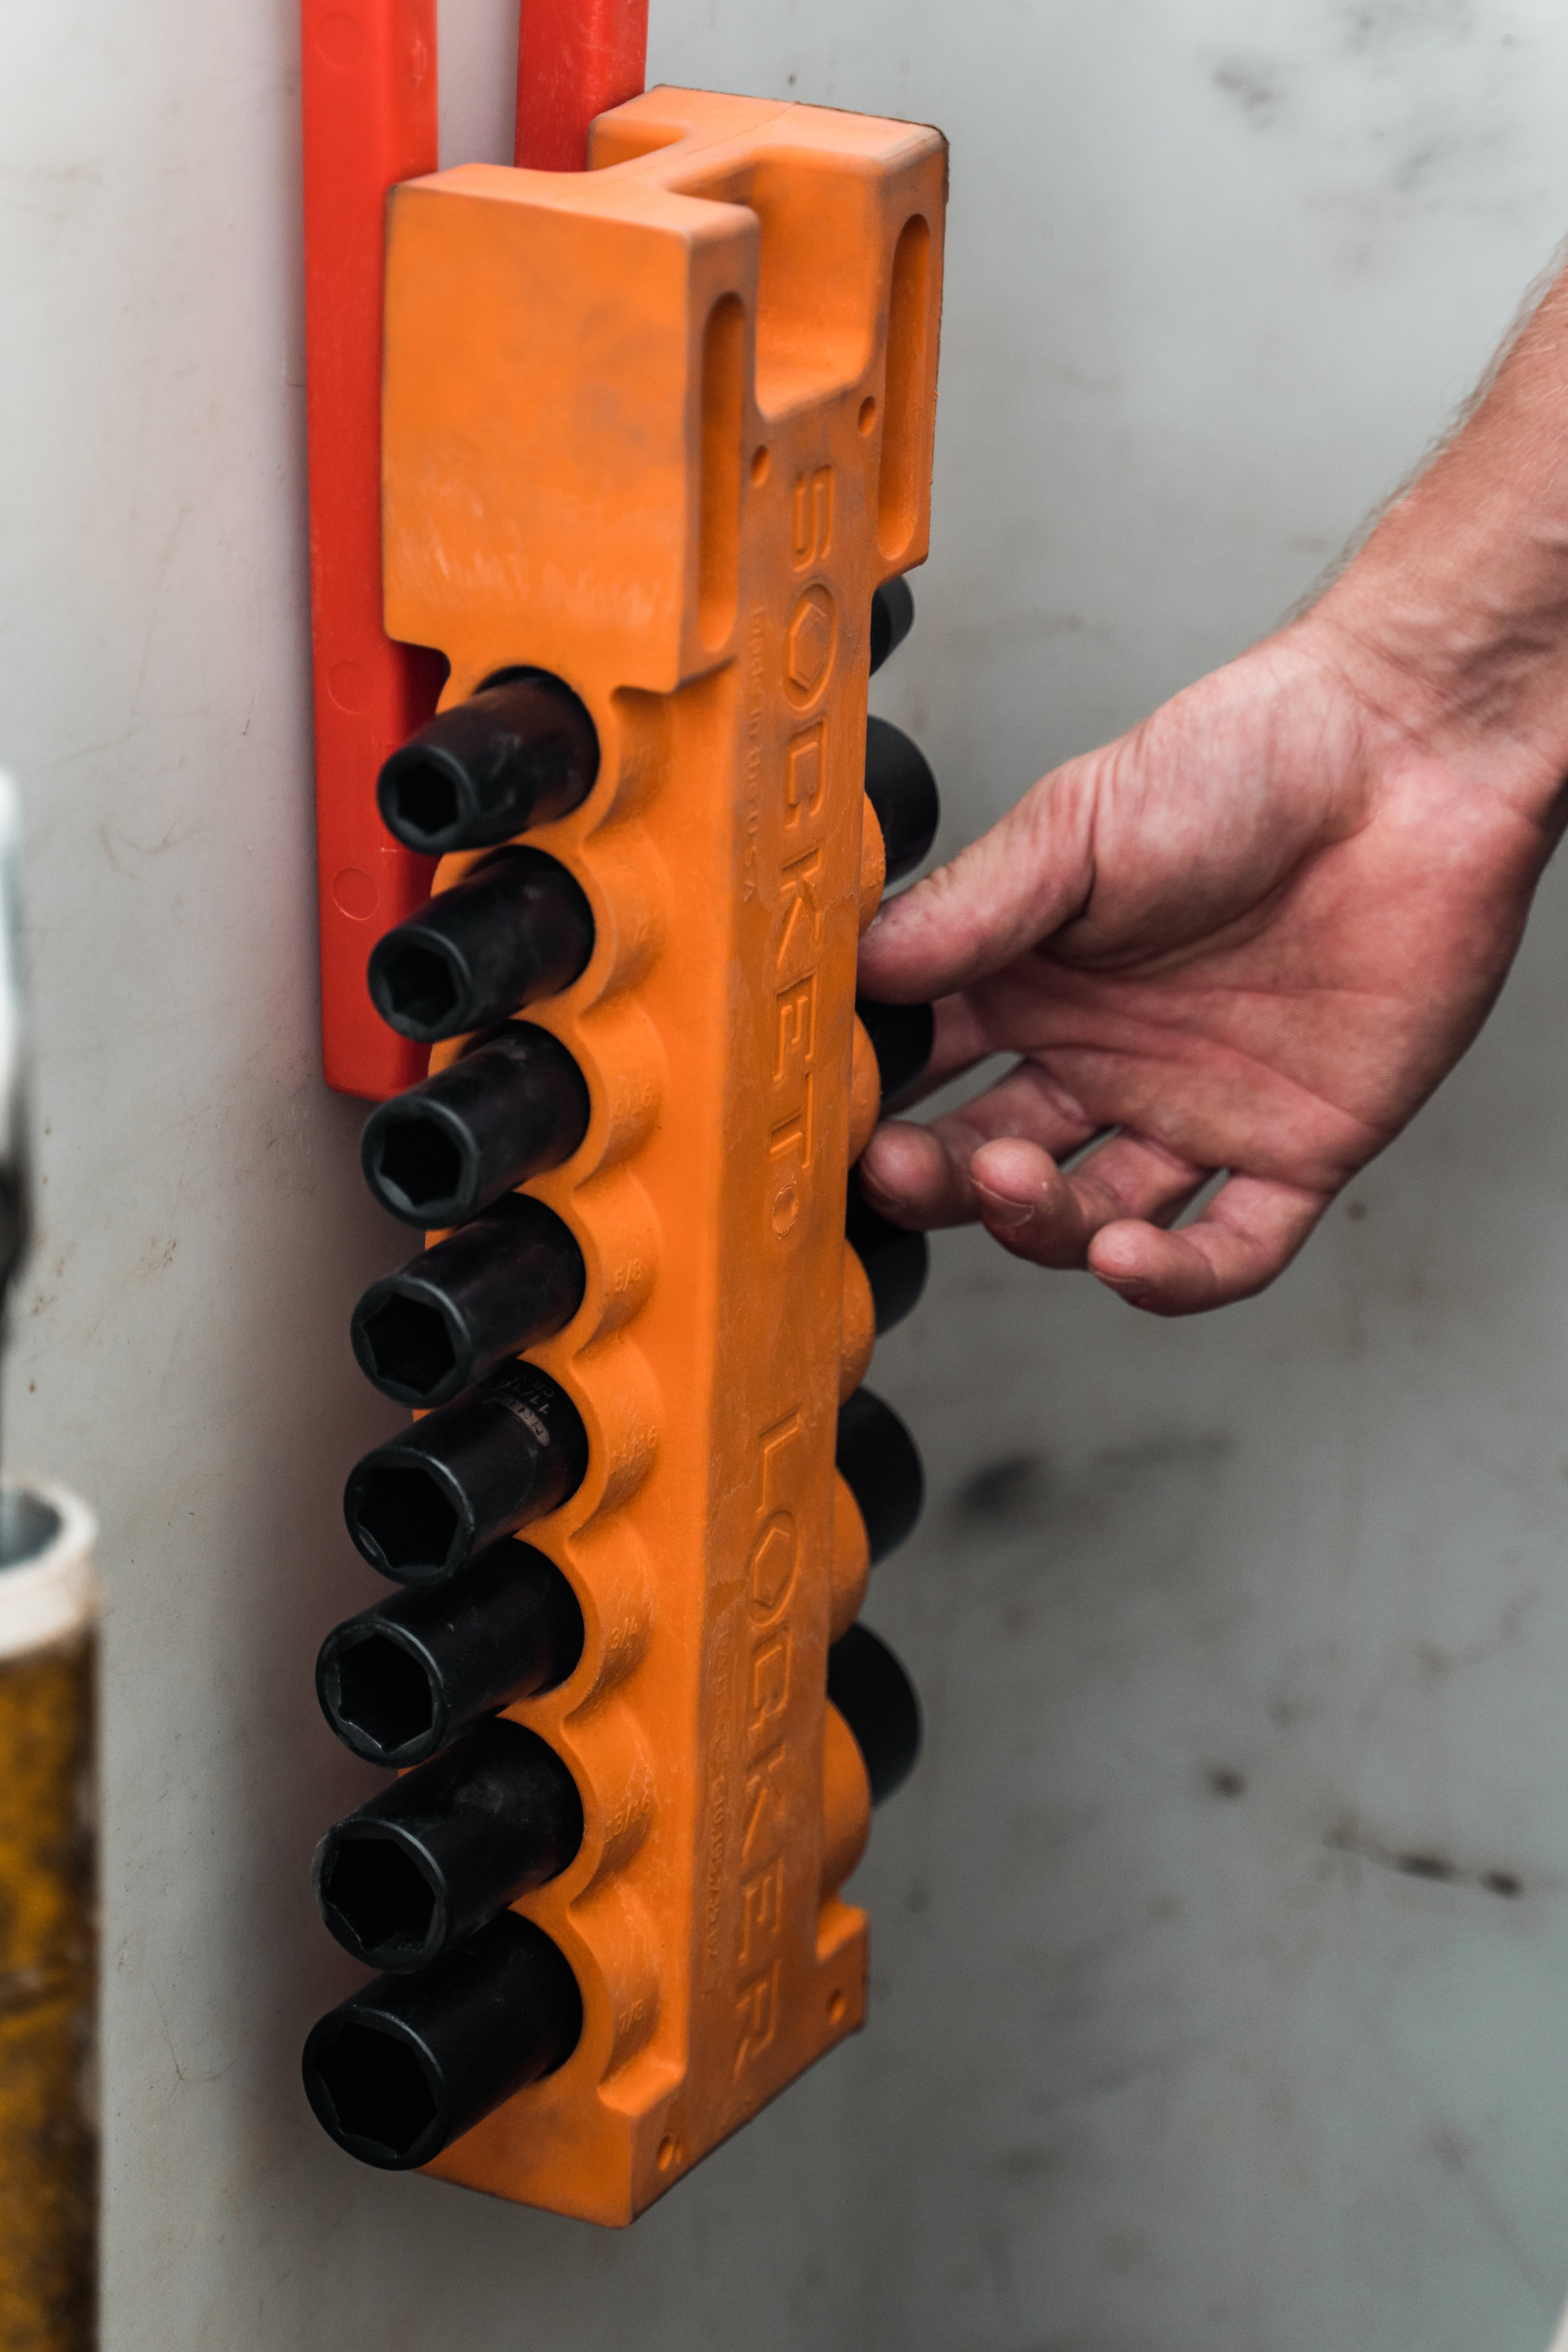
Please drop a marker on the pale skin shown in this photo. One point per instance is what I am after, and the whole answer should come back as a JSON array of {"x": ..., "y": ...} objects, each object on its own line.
[{"x": 1256, "y": 932}]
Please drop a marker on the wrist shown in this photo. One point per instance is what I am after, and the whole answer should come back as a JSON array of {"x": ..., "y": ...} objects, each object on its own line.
[
  {"x": 1466, "y": 670},
  {"x": 1451, "y": 622}
]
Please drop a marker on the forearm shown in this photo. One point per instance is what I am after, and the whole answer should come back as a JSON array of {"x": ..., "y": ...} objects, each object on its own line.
[{"x": 1453, "y": 618}]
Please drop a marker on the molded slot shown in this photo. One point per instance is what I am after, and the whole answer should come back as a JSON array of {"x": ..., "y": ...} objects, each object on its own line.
[
  {"x": 903, "y": 422},
  {"x": 723, "y": 417}
]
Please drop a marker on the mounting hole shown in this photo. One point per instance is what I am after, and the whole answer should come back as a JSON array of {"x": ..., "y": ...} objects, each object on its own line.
[
  {"x": 669, "y": 2149},
  {"x": 761, "y": 465},
  {"x": 355, "y": 895},
  {"x": 868, "y": 415},
  {"x": 837, "y": 2006}
]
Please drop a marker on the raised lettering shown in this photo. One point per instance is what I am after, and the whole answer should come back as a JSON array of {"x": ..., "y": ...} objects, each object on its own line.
[{"x": 758, "y": 2009}]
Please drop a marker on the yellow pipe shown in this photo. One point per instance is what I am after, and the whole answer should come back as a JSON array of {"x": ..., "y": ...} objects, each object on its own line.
[{"x": 48, "y": 1929}]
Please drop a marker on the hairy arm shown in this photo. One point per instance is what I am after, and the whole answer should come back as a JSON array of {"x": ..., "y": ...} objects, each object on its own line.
[{"x": 1254, "y": 934}]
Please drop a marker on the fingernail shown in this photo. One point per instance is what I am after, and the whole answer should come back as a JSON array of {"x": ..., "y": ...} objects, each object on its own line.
[
  {"x": 1131, "y": 1287},
  {"x": 999, "y": 1212}
]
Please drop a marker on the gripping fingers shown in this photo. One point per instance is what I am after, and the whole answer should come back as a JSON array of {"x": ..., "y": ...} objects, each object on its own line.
[
  {"x": 1017, "y": 883},
  {"x": 1034, "y": 1209},
  {"x": 1248, "y": 1233},
  {"x": 916, "y": 1176},
  {"x": 920, "y": 1176}
]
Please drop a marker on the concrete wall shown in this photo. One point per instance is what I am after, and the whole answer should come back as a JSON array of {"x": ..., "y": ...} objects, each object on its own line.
[{"x": 1221, "y": 1981}]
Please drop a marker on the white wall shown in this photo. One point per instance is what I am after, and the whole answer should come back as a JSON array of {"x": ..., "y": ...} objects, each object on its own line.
[{"x": 1153, "y": 2067}]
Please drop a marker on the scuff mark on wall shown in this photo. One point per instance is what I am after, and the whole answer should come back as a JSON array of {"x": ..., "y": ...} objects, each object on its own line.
[{"x": 1349, "y": 1836}]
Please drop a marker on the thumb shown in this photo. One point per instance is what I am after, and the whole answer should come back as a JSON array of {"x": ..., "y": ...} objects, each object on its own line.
[{"x": 1029, "y": 875}]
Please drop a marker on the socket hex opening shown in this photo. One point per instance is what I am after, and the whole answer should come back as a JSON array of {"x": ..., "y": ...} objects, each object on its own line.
[
  {"x": 380, "y": 1901},
  {"x": 419, "y": 985},
  {"x": 375, "y": 2091},
  {"x": 381, "y": 1692},
  {"x": 418, "y": 1161},
  {"x": 409, "y": 1346},
  {"x": 421, "y": 798},
  {"x": 409, "y": 1519}
]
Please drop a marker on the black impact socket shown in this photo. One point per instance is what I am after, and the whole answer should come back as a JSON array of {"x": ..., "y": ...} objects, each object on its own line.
[
  {"x": 901, "y": 1038},
  {"x": 514, "y": 1104},
  {"x": 519, "y": 928},
  {"x": 892, "y": 618},
  {"x": 897, "y": 1262},
  {"x": 407, "y": 2064},
  {"x": 881, "y": 1464},
  {"x": 903, "y": 789},
  {"x": 424, "y": 1506},
  {"x": 400, "y": 1681},
  {"x": 424, "y": 1865},
  {"x": 520, "y": 751},
  {"x": 878, "y": 1701},
  {"x": 512, "y": 1277}
]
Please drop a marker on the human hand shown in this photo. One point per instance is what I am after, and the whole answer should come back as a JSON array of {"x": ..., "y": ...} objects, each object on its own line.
[{"x": 1252, "y": 935}]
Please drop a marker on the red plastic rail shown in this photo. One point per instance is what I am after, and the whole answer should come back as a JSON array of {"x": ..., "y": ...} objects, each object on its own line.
[
  {"x": 575, "y": 58},
  {"x": 368, "y": 87},
  {"x": 368, "y": 92}
]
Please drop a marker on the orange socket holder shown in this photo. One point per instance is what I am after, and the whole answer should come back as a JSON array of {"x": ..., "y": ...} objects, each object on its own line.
[{"x": 661, "y": 429}]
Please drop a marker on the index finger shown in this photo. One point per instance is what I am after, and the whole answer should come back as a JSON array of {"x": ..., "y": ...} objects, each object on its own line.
[{"x": 1029, "y": 875}]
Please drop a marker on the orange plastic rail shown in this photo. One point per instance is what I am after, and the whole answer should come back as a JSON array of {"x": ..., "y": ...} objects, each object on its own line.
[
  {"x": 368, "y": 79},
  {"x": 661, "y": 429}
]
